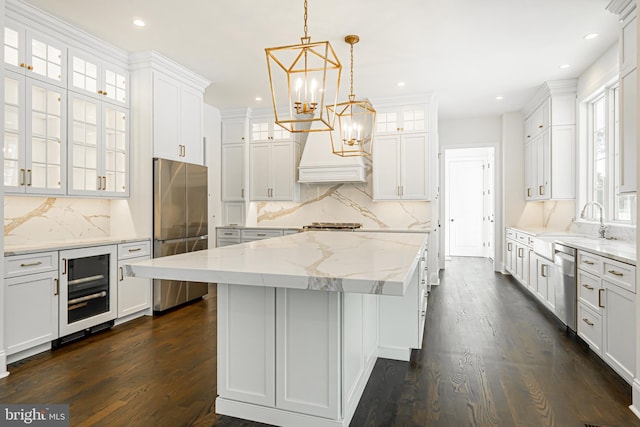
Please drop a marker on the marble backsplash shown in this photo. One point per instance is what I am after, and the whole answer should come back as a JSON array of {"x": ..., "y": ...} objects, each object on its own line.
[
  {"x": 29, "y": 220},
  {"x": 343, "y": 202}
]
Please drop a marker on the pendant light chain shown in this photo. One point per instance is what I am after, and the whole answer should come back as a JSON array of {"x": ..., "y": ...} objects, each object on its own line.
[
  {"x": 306, "y": 28},
  {"x": 351, "y": 75}
]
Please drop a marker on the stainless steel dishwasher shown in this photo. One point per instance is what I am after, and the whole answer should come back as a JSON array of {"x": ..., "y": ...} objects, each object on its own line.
[{"x": 566, "y": 288}]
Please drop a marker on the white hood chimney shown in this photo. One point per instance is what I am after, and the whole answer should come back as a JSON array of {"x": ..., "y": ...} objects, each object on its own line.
[{"x": 319, "y": 164}]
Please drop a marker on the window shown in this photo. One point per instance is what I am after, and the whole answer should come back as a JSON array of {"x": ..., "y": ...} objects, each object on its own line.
[{"x": 603, "y": 159}]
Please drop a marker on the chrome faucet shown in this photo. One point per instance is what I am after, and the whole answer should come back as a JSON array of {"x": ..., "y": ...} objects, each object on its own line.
[{"x": 602, "y": 229}]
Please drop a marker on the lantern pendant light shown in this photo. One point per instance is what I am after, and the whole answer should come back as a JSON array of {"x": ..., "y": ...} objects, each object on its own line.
[
  {"x": 356, "y": 120},
  {"x": 304, "y": 80}
]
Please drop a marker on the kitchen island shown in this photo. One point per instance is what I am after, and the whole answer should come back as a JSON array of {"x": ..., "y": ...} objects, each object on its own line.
[{"x": 302, "y": 318}]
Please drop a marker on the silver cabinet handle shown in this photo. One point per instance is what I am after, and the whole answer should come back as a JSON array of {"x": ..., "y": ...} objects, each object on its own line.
[
  {"x": 588, "y": 287},
  {"x": 587, "y": 322},
  {"x": 242, "y": 193},
  {"x": 261, "y": 234},
  {"x": 30, "y": 177},
  {"x": 30, "y": 264},
  {"x": 600, "y": 298},
  {"x": 588, "y": 262},
  {"x": 616, "y": 273},
  {"x": 22, "y": 176},
  {"x": 135, "y": 250},
  {"x": 529, "y": 192},
  {"x": 543, "y": 270},
  {"x": 541, "y": 190},
  {"x": 121, "y": 274}
]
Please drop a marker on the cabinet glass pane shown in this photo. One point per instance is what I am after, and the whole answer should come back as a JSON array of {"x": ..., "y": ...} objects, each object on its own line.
[
  {"x": 414, "y": 120},
  {"x": 53, "y": 152},
  {"x": 386, "y": 122},
  {"x": 38, "y": 150},
  {"x": 11, "y": 46},
  {"x": 46, "y": 60},
  {"x": 11, "y": 91},
  {"x": 260, "y": 131},
  {"x": 120, "y": 182},
  {"x": 11, "y": 118},
  {"x": 111, "y": 181},
  {"x": 39, "y": 66},
  {"x": 38, "y": 176},
  {"x": 84, "y": 140},
  {"x": 115, "y": 86},
  {"x": 85, "y": 75},
  {"x": 45, "y": 142},
  {"x": 53, "y": 176},
  {"x": 115, "y": 146},
  {"x": 11, "y": 147},
  {"x": 38, "y": 49},
  {"x": 11, "y": 173}
]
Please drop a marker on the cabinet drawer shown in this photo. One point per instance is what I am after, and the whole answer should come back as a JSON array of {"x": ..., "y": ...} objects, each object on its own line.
[
  {"x": 623, "y": 275},
  {"x": 511, "y": 234},
  {"x": 260, "y": 234},
  {"x": 590, "y": 328},
  {"x": 227, "y": 242},
  {"x": 590, "y": 263},
  {"x": 40, "y": 262},
  {"x": 227, "y": 233},
  {"x": 589, "y": 290},
  {"x": 134, "y": 249}
]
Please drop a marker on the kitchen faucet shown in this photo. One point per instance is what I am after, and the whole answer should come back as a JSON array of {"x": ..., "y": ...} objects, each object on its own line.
[{"x": 602, "y": 229}]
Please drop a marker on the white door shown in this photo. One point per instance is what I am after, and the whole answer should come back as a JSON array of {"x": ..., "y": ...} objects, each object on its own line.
[{"x": 465, "y": 178}]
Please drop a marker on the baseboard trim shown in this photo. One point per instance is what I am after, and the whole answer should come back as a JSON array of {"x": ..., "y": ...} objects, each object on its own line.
[
  {"x": 403, "y": 354},
  {"x": 635, "y": 394},
  {"x": 3, "y": 364}
]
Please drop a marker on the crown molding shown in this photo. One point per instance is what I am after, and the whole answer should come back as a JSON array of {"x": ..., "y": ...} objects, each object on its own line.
[{"x": 157, "y": 62}]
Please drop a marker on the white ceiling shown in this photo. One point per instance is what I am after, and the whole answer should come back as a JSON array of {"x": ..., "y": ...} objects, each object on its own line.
[{"x": 466, "y": 51}]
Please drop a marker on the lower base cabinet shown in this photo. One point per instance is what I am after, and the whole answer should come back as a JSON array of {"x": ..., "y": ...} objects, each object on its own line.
[
  {"x": 325, "y": 342},
  {"x": 134, "y": 293}
]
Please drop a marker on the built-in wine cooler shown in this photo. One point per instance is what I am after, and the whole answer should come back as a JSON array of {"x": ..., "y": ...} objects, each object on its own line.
[{"x": 87, "y": 296}]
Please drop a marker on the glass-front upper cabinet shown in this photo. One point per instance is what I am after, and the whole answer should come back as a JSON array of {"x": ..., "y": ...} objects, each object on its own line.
[
  {"x": 35, "y": 55},
  {"x": 34, "y": 136},
  {"x": 405, "y": 119},
  {"x": 99, "y": 154},
  {"x": 92, "y": 77}
]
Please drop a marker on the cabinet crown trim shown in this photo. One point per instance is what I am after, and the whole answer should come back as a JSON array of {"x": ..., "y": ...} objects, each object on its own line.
[
  {"x": 621, "y": 7},
  {"x": 550, "y": 89},
  {"x": 158, "y": 62}
]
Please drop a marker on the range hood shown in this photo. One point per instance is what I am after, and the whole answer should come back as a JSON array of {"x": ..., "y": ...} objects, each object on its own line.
[{"x": 319, "y": 164}]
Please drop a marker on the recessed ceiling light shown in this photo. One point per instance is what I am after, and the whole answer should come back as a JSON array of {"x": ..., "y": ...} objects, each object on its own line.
[
  {"x": 258, "y": 98},
  {"x": 138, "y": 22},
  {"x": 499, "y": 98},
  {"x": 564, "y": 66},
  {"x": 591, "y": 36},
  {"x": 400, "y": 84}
]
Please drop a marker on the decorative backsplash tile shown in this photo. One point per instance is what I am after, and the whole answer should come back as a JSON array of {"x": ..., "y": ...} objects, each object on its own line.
[
  {"x": 343, "y": 202},
  {"x": 46, "y": 219}
]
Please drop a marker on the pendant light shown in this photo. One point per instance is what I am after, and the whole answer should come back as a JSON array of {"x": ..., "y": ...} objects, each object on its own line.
[
  {"x": 304, "y": 79},
  {"x": 356, "y": 120}
]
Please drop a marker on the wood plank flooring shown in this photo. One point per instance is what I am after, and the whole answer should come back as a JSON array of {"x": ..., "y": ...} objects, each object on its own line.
[{"x": 492, "y": 356}]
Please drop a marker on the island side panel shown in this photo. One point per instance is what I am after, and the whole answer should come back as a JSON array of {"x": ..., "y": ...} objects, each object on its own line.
[
  {"x": 308, "y": 352},
  {"x": 246, "y": 343}
]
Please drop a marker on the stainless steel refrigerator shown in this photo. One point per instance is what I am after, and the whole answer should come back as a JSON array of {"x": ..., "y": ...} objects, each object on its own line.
[{"x": 179, "y": 225}]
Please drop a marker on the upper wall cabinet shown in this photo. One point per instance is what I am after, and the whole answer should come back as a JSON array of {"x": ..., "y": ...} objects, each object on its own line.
[
  {"x": 549, "y": 138},
  {"x": 173, "y": 95},
  {"x": 97, "y": 78},
  {"x": 35, "y": 55},
  {"x": 34, "y": 136},
  {"x": 402, "y": 152},
  {"x": 628, "y": 92}
]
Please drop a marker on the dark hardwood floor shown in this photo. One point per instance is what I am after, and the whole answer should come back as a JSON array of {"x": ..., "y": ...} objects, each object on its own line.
[{"x": 491, "y": 357}]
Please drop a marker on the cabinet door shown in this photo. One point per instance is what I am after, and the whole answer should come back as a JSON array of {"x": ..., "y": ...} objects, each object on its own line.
[
  {"x": 386, "y": 168},
  {"x": 46, "y": 59},
  {"x": 414, "y": 167},
  {"x": 191, "y": 126},
  {"x": 628, "y": 131},
  {"x": 166, "y": 118},
  {"x": 84, "y": 74},
  {"x": 259, "y": 182},
  {"x": 115, "y": 150},
  {"x": 31, "y": 311},
  {"x": 233, "y": 213},
  {"x": 14, "y": 133},
  {"x": 233, "y": 131},
  {"x": 45, "y": 138},
  {"x": 14, "y": 47},
  {"x": 115, "y": 84},
  {"x": 282, "y": 170},
  {"x": 543, "y": 166},
  {"x": 619, "y": 334},
  {"x": 85, "y": 146},
  {"x": 134, "y": 293},
  {"x": 301, "y": 361},
  {"x": 628, "y": 43},
  {"x": 510, "y": 248},
  {"x": 530, "y": 170},
  {"x": 246, "y": 366},
  {"x": 233, "y": 172},
  {"x": 260, "y": 132}
]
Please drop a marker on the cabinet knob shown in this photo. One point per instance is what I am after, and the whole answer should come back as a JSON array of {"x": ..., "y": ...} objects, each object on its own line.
[
  {"x": 100, "y": 92},
  {"x": 23, "y": 65},
  {"x": 30, "y": 67}
]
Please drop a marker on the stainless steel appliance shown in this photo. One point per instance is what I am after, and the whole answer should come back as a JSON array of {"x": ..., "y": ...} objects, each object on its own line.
[
  {"x": 179, "y": 224},
  {"x": 565, "y": 284},
  {"x": 343, "y": 226}
]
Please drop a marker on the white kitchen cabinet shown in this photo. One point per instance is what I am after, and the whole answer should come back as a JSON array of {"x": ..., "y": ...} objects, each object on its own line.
[
  {"x": 406, "y": 118},
  {"x": 233, "y": 171},
  {"x": 234, "y": 130},
  {"x": 401, "y": 167},
  {"x": 97, "y": 78},
  {"x": 272, "y": 171},
  {"x": 607, "y": 309},
  {"x": 549, "y": 155},
  {"x": 34, "y": 136},
  {"x": 134, "y": 293},
  {"x": 265, "y": 130},
  {"x": 177, "y": 120},
  {"x": 99, "y": 147},
  {"x": 542, "y": 282},
  {"x": 33, "y": 54},
  {"x": 233, "y": 213},
  {"x": 31, "y": 303},
  {"x": 628, "y": 131}
]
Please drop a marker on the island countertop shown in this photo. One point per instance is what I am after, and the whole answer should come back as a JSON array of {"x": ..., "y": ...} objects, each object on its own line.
[{"x": 366, "y": 263}]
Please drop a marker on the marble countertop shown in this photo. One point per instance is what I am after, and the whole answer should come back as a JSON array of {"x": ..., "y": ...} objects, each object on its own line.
[
  {"x": 10, "y": 250},
  {"x": 367, "y": 263},
  {"x": 300, "y": 228},
  {"x": 619, "y": 250}
]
